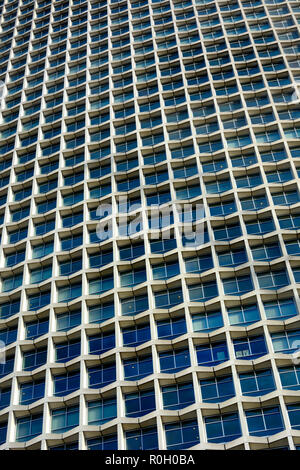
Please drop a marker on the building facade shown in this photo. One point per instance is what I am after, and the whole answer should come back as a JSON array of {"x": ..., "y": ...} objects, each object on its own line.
[{"x": 150, "y": 217}]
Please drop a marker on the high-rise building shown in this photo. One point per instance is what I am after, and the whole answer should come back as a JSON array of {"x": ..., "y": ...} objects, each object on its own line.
[{"x": 150, "y": 218}]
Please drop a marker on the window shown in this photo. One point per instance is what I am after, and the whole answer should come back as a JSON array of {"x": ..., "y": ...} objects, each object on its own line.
[
  {"x": 17, "y": 235},
  {"x": 44, "y": 227},
  {"x": 71, "y": 242},
  {"x": 171, "y": 328},
  {"x": 29, "y": 427},
  {"x": 5, "y": 394},
  {"x": 243, "y": 315},
  {"x": 213, "y": 166},
  {"x": 40, "y": 274},
  {"x": 66, "y": 321},
  {"x": 280, "y": 309},
  {"x": 260, "y": 227},
  {"x": 109, "y": 442},
  {"x": 188, "y": 192},
  {"x": 257, "y": 382},
  {"x": 165, "y": 270},
  {"x": 158, "y": 220},
  {"x": 39, "y": 251},
  {"x": 273, "y": 280},
  {"x": 178, "y": 396},
  {"x": 273, "y": 155},
  {"x": 102, "y": 375},
  {"x": 8, "y": 335},
  {"x": 250, "y": 348},
  {"x": 7, "y": 309},
  {"x": 71, "y": 220},
  {"x": 66, "y": 446},
  {"x": 102, "y": 284},
  {"x": 142, "y": 439},
  {"x": 222, "y": 209},
  {"x": 290, "y": 377},
  {"x": 70, "y": 266},
  {"x": 232, "y": 258},
  {"x": 31, "y": 391},
  {"x": 12, "y": 282},
  {"x": 137, "y": 367},
  {"x": 279, "y": 176},
  {"x": 223, "y": 428},
  {"x": 286, "y": 198},
  {"x": 209, "y": 355},
  {"x": 243, "y": 161},
  {"x": 203, "y": 292},
  {"x": 237, "y": 285},
  {"x": 134, "y": 336},
  {"x": 217, "y": 389},
  {"x": 286, "y": 342},
  {"x": 100, "y": 313},
  {"x": 69, "y": 292},
  {"x": 199, "y": 264},
  {"x": 134, "y": 305},
  {"x": 289, "y": 222},
  {"x": 66, "y": 383},
  {"x": 293, "y": 247},
  {"x": 101, "y": 411},
  {"x": 37, "y": 328},
  {"x": 34, "y": 358},
  {"x": 182, "y": 434},
  {"x": 207, "y": 321},
  {"x": 100, "y": 343},
  {"x": 3, "y": 432},
  {"x": 294, "y": 415},
  {"x": 15, "y": 258},
  {"x": 67, "y": 350},
  {"x": 139, "y": 403},
  {"x": 132, "y": 204},
  {"x": 227, "y": 232},
  {"x": 254, "y": 203},
  {"x": 7, "y": 367},
  {"x": 131, "y": 251},
  {"x": 174, "y": 360},
  {"x": 264, "y": 421},
  {"x": 64, "y": 419},
  {"x": 266, "y": 252},
  {"x": 168, "y": 299}
]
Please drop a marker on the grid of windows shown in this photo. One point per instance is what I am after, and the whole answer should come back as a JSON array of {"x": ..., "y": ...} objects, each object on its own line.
[{"x": 108, "y": 108}]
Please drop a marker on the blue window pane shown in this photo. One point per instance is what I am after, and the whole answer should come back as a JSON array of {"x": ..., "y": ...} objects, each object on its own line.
[
  {"x": 140, "y": 403},
  {"x": 290, "y": 377},
  {"x": 217, "y": 390},
  {"x": 134, "y": 336},
  {"x": 265, "y": 421},
  {"x": 182, "y": 435},
  {"x": 174, "y": 361},
  {"x": 207, "y": 321},
  {"x": 257, "y": 382},
  {"x": 243, "y": 315},
  {"x": 142, "y": 439},
  {"x": 213, "y": 354},
  {"x": 250, "y": 348},
  {"x": 137, "y": 368},
  {"x": 178, "y": 396},
  {"x": 168, "y": 329},
  {"x": 294, "y": 415},
  {"x": 223, "y": 428}
]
